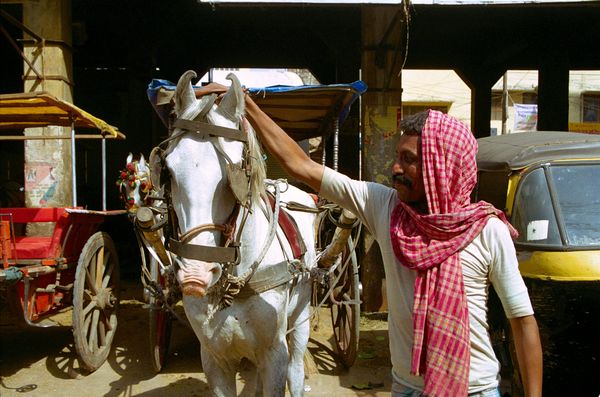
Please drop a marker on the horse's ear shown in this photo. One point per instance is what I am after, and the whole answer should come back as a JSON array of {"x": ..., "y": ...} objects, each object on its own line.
[
  {"x": 184, "y": 93},
  {"x": 129, "y": 158},
  {"x": 142, "y": 165},
  {"x": 233, "y": 101}
]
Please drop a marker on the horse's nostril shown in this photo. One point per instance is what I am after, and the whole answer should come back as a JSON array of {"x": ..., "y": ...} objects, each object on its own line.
[{"x": 216, "y": 271}]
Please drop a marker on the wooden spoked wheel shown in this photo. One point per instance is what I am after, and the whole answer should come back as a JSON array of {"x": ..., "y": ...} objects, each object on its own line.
[
  {"x": 345, "y": 306},
  {"x": 96, "y": 300},
  {"x": 160, "y": 320}
]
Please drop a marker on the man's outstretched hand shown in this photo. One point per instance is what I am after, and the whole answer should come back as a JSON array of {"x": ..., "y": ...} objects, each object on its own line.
[{"x": 210, "y": 88}]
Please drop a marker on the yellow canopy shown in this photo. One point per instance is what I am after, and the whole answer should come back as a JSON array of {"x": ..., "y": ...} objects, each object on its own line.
[{"x": 41, "y": 109}]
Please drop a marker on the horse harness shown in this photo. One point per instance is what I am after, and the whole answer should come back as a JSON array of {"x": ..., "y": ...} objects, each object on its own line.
[{"x": 228, "y": 255}]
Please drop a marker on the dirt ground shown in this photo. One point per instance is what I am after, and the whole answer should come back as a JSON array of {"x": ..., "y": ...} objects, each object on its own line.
[{"x": 42, "y": 362}]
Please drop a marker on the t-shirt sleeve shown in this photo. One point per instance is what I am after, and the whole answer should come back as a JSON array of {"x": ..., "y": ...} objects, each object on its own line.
[
  {"x": 363, "y": 199},
  {"x": 504, "y": 270}
]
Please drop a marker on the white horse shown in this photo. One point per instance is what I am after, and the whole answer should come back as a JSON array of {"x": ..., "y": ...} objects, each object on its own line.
[{"x": 257, "y": 309}]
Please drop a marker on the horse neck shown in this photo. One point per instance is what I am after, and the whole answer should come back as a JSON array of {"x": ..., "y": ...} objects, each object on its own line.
[{"x": 254, "y": 235}]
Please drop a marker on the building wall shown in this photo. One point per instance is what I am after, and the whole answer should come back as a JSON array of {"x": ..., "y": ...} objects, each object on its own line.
[
  {"x": 436, "y": 88},
  {"x": 444, "y": 88}
]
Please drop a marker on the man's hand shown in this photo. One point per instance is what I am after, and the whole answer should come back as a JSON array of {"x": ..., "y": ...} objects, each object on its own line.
[{"x": 210, "y": 88}]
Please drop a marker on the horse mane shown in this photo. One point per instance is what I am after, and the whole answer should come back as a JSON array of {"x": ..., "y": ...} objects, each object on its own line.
[
  {"x": 257, "y": 164},
  {"x": 256, "y": 157}
]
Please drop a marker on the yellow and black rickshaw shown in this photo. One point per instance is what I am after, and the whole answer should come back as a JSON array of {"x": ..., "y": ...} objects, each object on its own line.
[{"x": 548, "y": 183}]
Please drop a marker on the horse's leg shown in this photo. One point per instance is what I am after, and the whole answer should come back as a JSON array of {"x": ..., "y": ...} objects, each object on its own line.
[
  {"x": 259, "y": 385},
  {"x": 272, "y": 369},
  {"x": 297, "y": 342},
  {"x": 220, "y": 380},
  {"x": 252, "y": 384}
]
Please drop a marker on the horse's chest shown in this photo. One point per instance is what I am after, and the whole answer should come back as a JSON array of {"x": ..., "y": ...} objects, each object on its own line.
[{"x": 240, "y": 330}]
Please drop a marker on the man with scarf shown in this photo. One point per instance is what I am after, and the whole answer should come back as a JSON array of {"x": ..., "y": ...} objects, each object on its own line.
[{"x": 440, "y": 252}]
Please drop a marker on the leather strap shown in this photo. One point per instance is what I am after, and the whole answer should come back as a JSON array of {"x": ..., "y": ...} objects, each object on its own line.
[
  {"x": 266, "y": 279},
  {"x": 205, "y": 253},
  {"x": 210, "y": 129}
]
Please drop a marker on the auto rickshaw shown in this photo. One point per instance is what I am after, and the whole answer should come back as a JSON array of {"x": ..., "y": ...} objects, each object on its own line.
[{"x": 548, "y": 184}]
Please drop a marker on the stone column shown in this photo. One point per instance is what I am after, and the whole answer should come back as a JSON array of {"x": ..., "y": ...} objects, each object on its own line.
[
  {"x": 553, "y": 97},
  {"x": 48, "y": 162},
  {"x": 480, "y": 81},
  {"x": 382, "y": 58}
]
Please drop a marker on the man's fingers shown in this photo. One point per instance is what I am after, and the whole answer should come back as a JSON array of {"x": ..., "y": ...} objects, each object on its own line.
[{"x": 211, "y": 88}]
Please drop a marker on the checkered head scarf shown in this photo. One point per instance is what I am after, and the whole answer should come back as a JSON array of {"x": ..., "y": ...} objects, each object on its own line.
[{"x": 430, "y": 245}]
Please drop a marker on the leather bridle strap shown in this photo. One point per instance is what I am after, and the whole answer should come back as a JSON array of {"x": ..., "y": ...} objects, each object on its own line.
[
  {"x": 210, "y": 129},
  {"x": 205, "y": 253}
]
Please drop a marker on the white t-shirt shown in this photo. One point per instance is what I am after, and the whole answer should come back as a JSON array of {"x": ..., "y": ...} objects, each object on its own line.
[{"x": 490, "y": 257}]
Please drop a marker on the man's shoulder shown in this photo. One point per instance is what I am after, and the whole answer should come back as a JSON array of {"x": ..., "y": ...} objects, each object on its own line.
[
  {"x": 495, "y": 225},
  {"x": 495, "y": 233}
]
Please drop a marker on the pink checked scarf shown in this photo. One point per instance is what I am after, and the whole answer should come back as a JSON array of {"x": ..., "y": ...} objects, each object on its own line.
[{"x": 430, "y": 245}]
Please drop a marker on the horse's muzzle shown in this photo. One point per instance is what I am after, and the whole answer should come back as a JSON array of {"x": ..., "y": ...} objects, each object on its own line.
[{"x": 196, "y": 277}]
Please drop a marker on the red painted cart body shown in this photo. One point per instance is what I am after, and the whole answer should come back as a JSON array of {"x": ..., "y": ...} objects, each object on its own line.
[
  {"x": 76, "y": 265},
  {"x": 48, "y": 262}
]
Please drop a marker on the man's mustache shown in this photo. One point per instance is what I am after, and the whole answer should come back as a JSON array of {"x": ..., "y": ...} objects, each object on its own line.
[{"x": 402, "y": 180}]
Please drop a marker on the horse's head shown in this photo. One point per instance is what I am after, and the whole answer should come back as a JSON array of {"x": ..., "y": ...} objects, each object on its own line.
[
  {"x": 134, "y": 183},
  {"x": 206, "y": 170}
]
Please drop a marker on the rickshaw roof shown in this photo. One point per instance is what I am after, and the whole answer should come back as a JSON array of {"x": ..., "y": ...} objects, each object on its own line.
[
  {"x": 518, "y": 150},
  {"x": 302, "y": 111},
  {"x": 41, "y": 109}
]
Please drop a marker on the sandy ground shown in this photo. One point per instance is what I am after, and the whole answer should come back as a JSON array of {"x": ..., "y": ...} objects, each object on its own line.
[{"x": 42, "y": 362}]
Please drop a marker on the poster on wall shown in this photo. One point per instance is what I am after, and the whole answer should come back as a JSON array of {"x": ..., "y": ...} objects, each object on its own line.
[
  {"x": 40, "y": 182},
  {"x": 526, "y": 117}
]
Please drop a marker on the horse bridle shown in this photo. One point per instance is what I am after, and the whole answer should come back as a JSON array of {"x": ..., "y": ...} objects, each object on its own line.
[{"x": 239, "y": 183}]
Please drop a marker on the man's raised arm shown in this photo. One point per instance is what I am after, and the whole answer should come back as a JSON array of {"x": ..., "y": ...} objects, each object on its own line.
[{"x": 287, "y": 152}]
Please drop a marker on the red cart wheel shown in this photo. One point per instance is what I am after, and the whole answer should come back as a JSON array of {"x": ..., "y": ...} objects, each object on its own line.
[
  {"x": 96, "y": 300},
  {"x": 345, "y": 307},
  {"x": 161, "y": 321}
]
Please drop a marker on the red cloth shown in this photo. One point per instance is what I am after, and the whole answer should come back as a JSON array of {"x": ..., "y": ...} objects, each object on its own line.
[{"x": 430, "y": 245}]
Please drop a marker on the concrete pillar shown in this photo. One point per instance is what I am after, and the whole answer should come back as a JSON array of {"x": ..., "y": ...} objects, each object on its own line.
[
  {"x": 481, "y": 109},
  {"x": 48, "y": 162},
  {"x": 480, "y": 82},
  {"x": 381, "y": 108},
  {"x": 553, "y": 98}
]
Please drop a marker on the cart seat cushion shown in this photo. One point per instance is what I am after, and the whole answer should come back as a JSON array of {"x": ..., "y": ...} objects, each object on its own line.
[{"x": 33, "y": 247}]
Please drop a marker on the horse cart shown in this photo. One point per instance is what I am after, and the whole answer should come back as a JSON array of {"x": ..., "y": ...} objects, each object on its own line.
[
  {"x": 76, "y": 263},
  {"x": 303, "y": 112}
]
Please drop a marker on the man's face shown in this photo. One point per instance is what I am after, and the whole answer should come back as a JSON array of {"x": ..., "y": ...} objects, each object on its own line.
[{"x": 407, "y": 172}]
